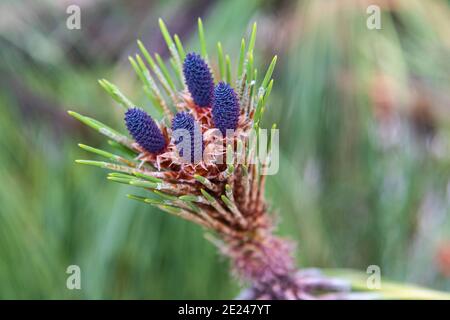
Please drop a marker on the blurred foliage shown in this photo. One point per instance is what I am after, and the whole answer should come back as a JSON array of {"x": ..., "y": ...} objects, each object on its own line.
[{"x": 365, "y": 161}]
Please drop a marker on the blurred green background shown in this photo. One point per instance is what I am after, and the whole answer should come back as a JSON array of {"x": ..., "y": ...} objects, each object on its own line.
[{"x": 365, "y": 160}]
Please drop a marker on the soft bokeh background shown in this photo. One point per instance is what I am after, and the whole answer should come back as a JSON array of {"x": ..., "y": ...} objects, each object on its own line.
[{"x": 365, "y": 158}]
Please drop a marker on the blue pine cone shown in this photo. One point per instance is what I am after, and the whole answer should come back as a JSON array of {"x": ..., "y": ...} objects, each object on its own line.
[
  {"x": 225, "y": 109},
  {"x": 144, "y": 130},
  {"x": 199, "y": 79},
  {"x": 184, "y": 120}
]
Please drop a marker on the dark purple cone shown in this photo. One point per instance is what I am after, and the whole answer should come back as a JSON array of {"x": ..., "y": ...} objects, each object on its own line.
[
  {"x": 225, "y": 110},
  {"x": 144, "y": 130},
  {"x": 184, "y": 120},
  {"x": 199, "y": 79}
]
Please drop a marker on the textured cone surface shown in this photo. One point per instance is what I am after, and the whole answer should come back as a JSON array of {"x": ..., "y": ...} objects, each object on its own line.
[
  {"x": 185, "y": 121},
  {"x": 225, "y": 109},
  {"x": 199, "y": 79},
  {"x": 144, "y": 130}
]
